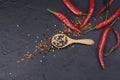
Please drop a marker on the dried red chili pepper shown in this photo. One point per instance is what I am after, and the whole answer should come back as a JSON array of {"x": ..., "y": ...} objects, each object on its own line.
[
  {"x": 104, "y": 8},
  {"x": 107, "y": 21},
  {"x": 72, "y": 8},
  {"x": 102, "y": 43},
  {"x": 65, "y": 20},
  {"x": 90, "y": 13},
  {"x": 117, "y": 43}
]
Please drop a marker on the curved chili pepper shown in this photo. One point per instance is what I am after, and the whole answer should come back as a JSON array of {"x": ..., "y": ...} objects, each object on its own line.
[
  {"x": 65, "y": 20},
  {"x": 90, "y": 13},
  {"x": 107, "y": 21},
  {"x": 102, "y": 44},
  {"x": 117, "y": 43},
  {"x": 104, "y": 8},
  {"x": 72, "y": 8}
]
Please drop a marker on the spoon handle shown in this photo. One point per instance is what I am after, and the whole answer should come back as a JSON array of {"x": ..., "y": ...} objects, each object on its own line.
[{"x": 84, "y": 41}]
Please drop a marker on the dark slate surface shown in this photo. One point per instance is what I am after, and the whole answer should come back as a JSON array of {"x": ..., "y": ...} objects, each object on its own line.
[{"x": 79, "y": 63}]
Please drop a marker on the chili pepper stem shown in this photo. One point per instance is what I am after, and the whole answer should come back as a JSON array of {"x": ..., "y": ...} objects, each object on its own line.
[
  {"x": 108, "y": 8},
  {"x": 107, "y": 13},
  {"x": 53, "y": 12},
  {"x": 110, "y": 52},
  {"x": 113, "y": 22},
  {"x": 91, "y": 29},
  {"x": 84, "y": 14}
]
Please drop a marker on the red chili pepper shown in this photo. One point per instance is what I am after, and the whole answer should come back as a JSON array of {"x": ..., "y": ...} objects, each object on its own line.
[
  {"x": 90, "y": 13},
  {"x": 72, "y": 8},
  {"x": 104, "y": 8},
  {"x": 118, "y": 38},
  {"x": 117, "y": 43},
  {"x": 102, "y": 44},
  {"x": 65, "y": 20},
  {"x": 107, "y": 21}
]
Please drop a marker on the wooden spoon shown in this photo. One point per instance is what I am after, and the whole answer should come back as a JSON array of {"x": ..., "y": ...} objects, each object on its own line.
[{"x": 62, "y": 40}]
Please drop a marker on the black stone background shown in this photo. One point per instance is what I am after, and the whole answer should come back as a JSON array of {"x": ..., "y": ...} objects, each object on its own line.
[{"x": 79, "y": 63}]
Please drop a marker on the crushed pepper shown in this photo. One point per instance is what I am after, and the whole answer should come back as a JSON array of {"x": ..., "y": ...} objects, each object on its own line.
[{"x": 45, "y": 44}]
